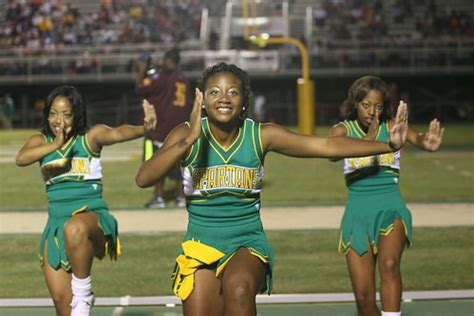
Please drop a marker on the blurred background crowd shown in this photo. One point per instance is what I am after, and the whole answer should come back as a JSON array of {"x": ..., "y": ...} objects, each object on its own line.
[{"x": 424, "y": 48}]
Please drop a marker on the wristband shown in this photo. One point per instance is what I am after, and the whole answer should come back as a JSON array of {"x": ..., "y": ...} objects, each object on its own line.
[{"x": 392, "y": 146}]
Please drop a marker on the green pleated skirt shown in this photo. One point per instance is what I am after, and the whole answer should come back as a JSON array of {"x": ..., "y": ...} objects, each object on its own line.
[
  {"x": 226, "y": 240},
  {"x": 66, "y": 200},
  {"x": 369, "y": 214}
]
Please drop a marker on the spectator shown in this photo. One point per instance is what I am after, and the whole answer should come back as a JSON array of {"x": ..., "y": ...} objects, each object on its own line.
[
  {"x": 259, "y": 107},
  {"x": 7, "y": 108}
]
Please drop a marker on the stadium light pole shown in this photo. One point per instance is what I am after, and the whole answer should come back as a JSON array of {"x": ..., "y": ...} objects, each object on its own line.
[{"x": 306, "y": 104}]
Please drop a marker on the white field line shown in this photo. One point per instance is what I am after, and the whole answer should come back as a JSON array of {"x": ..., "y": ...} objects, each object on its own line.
[{"x": 261, "y": 299}]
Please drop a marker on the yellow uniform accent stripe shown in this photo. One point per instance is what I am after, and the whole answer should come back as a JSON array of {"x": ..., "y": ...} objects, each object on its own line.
[
  {"x": 88, "y": 147},
  {"x": 240, "y": 137},
  {"x": 69, "y": 145}
]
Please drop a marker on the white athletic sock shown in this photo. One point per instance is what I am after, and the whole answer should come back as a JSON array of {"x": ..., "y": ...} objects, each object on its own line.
[
  {"x": 81, "y": 287},
  {"x": 391, "y": 313}
]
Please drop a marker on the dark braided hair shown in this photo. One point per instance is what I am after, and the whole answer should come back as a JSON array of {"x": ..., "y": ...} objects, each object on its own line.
[
  {"x": 79, "y": 125},
  {"x": 236, "y": 71},
  {"x": 359, "y": 89}
]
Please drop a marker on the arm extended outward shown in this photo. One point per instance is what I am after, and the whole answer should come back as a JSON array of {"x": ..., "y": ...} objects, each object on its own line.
[
  {"x": 102, "y": 135},
  {"x": 429, "y": 141},
  {"x": 279, "y": 139}
]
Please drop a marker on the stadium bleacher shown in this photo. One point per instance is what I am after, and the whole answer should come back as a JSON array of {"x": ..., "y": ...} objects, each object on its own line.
[{"x": 348, "y": 38}]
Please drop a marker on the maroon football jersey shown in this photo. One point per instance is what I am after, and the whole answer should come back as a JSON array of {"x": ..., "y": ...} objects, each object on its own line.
[{"x": 171, "y": 96}]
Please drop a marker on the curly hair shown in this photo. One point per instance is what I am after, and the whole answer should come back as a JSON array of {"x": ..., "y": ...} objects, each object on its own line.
[
  {"x": 358, "y": 91},
  {"x": 236, "y": 71},
  {"x": 79, "y": 125}
]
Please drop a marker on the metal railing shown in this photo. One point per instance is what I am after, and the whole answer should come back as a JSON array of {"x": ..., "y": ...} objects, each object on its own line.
[{"x": 112, "y": 67}]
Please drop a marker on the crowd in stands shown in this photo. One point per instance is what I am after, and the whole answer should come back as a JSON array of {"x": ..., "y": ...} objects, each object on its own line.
[
  {"x": 35, "y": 26},
  {"x": 399, "y": 23},
  {"x": 46, "y": 27}
]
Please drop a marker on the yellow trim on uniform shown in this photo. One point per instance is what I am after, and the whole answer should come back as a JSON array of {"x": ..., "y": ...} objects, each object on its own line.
[
  {"x": 355, "y": 130},
  {"x": 260, "y": 156},
  {"x": 198, "y": 148},
  {"x": 195, "y": 256},
  {"x": 260, "y": 142},
  {"x": 348, "y": 129},
  {"x": 358, "y": 129},
  {"x": 342, "y": 247},
  {"x": 386, "y": 231},
  {"x": 379, "y": 131},
  {"x": 252, "y": 251},
  {"x": 81, "y": 210},
  {"x": 375, "y": 249},
  {"x": 88, "y": 147},
  {"x": 204, "y": 253},
  {"x": 364, "y": 133},
  {"x": 220, "y": 268},
  {"x": 235, "y": 140},
  {"x": 258, "y": 255},
  {"x": 254, "y": 146},
  {"x": 192, "y": 146},
  {"x": 118, "y": 249},
  {"x": 73, "y": 140},
  {"x": 224, "y": 192},
  {"x": 71, "y": 179},
  {"x": 239, "y": 137},
  {"x": 217, "y": 151}
]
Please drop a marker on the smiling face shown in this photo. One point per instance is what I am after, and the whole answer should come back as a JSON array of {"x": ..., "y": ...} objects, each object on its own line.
[
  {"x": 223, "y": 97},
  {"x": 61, "y": 111},
  {"x": 369, "y": 108}
]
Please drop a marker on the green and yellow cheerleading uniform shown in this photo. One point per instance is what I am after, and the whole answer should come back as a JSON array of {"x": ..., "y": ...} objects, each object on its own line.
[
  {"x": 222, "y": 188},
  {"x": 374, "y": 201},
  {"x": 72, "y": 175}
]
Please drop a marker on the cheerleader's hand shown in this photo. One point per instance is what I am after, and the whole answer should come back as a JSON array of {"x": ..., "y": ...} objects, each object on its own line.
[
  {"x": 195, "y": 124},
  {"x": 373, "y": 129},
  {"x": 399, "y": 131},
  {"x": 434, "y": 136},
  {"x": 61, "y": 134}
]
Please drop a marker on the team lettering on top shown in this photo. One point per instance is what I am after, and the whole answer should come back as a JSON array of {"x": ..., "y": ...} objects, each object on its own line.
[
  {"x": 388, "y": 159},
  {"x": 227, "y": 176},
  {"x": 75, "y": 166},
  {"x": 80, "y": 166}
]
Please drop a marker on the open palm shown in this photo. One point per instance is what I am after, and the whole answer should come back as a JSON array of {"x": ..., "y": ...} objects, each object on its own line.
[
  {"x": 399, "y": 131},
  {"x": 195, "y": 118},
  {"x": 434, "y": 136}
]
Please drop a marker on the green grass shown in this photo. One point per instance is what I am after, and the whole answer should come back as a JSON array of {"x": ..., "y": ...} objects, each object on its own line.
[
  {"x": 424, "y": 178},
  {"x": 306, "y": 262},
  {"x": 444, "y": 176},
  {"x": 456, "y": 135}
]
